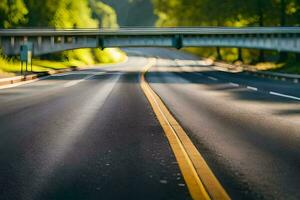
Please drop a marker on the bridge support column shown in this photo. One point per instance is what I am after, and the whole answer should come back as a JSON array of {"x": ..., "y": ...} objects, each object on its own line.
[
  {"x": 101, "y": 42},
  {"x": 178, "y": 41}
]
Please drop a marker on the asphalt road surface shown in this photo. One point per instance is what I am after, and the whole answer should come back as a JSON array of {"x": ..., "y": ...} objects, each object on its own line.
[{"x": 92, "y": 134}]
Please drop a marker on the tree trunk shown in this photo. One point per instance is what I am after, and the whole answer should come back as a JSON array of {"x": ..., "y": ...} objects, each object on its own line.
[
  {"x": 282, "y": 12},
  {"x": 261, "y": 57},
  {"x": 298, "y": 57},
  {"x": 283, "y": 56},
  {"x": 218, "y": 49},
  {"x": 219, "y": 55},
  {"x": 261, "y": 20},
  {"x": 240, "y": 54}
]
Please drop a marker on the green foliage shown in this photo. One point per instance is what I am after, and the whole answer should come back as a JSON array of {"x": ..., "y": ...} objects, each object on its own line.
[
  {"x": 41, "y": 12},
  {"x": 109, "y": 55},
  {"x": 12, "y": 13},
  {"x": 80, "y": 57},
  {"x": 73, "y": 14},
  {"x": 235, "y": 13},
  {"x": 132, "y": 12},
  {"x": 226, "y": 12},
  {"x": 105, "y": 14},
  {"x": 60, "y": 14}
]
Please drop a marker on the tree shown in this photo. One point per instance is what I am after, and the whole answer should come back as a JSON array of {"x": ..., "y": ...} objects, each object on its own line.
[
  {"x": 105, "y": 14},
  {"x": 133, "y": 12},
  {"x": 12, "y": 13},
  {"x": 41, "y": 12},
  {"x": 73, "y": 14},
  {"x": 60, "y": 14},
  {"x": 235, "y": 13}
]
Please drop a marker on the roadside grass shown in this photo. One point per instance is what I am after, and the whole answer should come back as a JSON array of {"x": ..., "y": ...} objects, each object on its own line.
[
  {"x": 289, "y": 67},
  {"x": 11, "y": 66},
  {"x": 229, "y": 55}
]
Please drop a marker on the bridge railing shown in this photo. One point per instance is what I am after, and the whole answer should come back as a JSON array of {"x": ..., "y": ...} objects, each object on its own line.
[{"x": 55, "y": 40}]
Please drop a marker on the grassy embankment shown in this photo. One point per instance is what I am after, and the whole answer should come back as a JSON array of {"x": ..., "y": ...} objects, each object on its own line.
[
  {"x": 290, "y": 66},
  {"x": 79, "y": 58}
]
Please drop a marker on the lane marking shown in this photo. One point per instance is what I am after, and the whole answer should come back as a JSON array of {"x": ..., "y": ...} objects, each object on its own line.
[
  {"x": 75, "y": 82},
  {"x": 73, "y": 73},
  {"x": 212, "y": 78},
  {"x": 199, "y": 178},
  {"x": 252, "y": 88},
  {"x": 284, "y": 95},
  {"x": 234, "y": 84}
]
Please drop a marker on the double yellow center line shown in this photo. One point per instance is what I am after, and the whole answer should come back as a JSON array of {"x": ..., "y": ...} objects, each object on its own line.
[{"x": 199, "y": 178}]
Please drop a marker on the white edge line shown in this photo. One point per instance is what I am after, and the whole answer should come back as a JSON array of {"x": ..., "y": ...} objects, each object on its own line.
[
  {"x": 252, "y": 88},
  {"x": 75, "y": 82},
  {"x": 212, "y": 78},
  {"x": 234, "y": 84},
  {"x": 72, "y": 73},
  {"x": 284, "y": 95}
]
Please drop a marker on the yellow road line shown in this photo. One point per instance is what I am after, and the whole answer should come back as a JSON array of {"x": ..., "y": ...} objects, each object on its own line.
[{"x": 199, "y": 178}]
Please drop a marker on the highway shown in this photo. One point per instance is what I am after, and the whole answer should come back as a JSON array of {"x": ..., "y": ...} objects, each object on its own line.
[{"x": 92, "y": 134}]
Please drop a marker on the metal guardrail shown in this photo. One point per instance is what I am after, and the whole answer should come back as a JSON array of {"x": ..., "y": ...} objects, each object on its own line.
[
  {"x": 275, "y": 75},
  {"x": 248, "y": 69},
  {"x": 151, "y": 31}
]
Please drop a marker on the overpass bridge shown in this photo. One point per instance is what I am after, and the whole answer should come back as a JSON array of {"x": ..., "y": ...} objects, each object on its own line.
[{"x": 46, "y": 41}]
